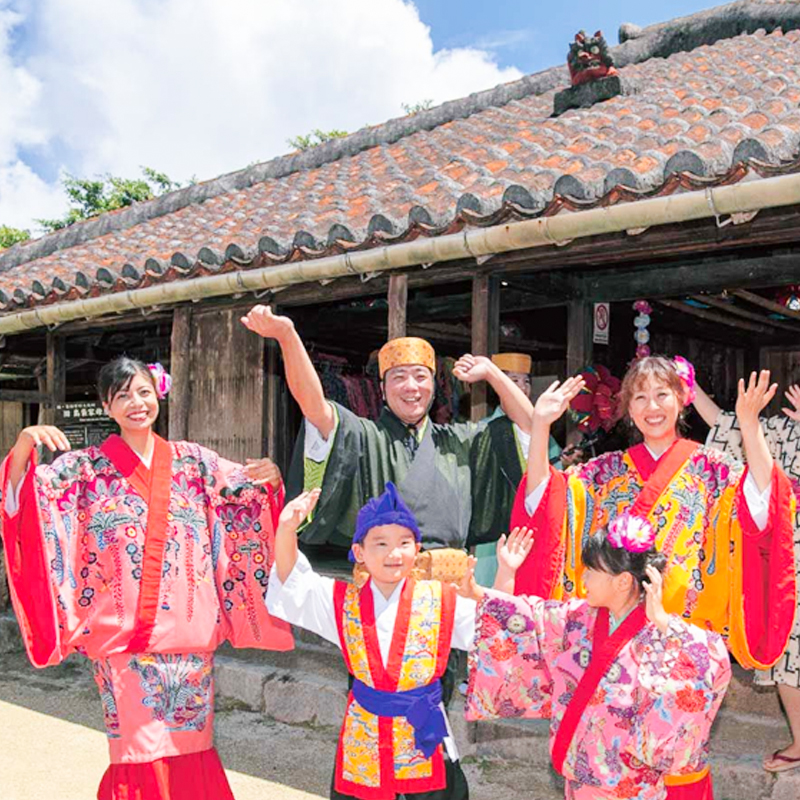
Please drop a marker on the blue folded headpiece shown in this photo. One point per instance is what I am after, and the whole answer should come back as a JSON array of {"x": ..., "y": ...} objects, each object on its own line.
[{"x": 387, "y": 509}]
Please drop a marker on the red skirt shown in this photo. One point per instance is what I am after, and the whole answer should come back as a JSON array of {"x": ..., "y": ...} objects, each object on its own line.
[
  {"x": 701, "y": 790},
  {"x": 196, "y": 776}
]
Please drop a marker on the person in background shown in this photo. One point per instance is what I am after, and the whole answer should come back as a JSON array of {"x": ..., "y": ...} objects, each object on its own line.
[
  {"x": 498, "y": 460},
  {"x": 782, "y": 433}
]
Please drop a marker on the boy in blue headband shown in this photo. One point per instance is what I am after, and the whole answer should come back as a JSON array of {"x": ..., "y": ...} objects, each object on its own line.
[{"x": 395, "y": 634}]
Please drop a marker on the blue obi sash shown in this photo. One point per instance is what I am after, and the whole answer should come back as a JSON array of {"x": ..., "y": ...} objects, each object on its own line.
[{"x": 422, "y": 707}]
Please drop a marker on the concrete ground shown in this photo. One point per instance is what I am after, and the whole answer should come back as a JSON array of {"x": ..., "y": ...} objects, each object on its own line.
[{"x": 52, "y": 745}]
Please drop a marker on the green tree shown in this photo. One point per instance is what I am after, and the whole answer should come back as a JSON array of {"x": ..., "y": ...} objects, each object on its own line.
[
  {"x": 314, "y": 138},
  {"x": 88, "y": 198},
  {"x": 9, "y": 236}
]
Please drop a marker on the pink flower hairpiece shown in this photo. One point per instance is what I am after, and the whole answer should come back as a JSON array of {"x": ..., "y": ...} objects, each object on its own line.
[
  {"x": 634, "y": 534},
  {"x": 161, "y": 378},
  {"x": 685, "y": 370}
]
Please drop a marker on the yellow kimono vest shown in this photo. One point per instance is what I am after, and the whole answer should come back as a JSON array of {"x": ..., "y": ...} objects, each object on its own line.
[{"x": 377, "y": 757}]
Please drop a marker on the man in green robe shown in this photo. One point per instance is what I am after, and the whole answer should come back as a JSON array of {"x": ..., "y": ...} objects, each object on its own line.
[
  {"x": 352, "y": 458},
  {"x": 499, "y": 460}
]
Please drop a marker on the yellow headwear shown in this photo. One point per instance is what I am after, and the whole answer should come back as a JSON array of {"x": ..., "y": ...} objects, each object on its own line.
[
  {"x": 513, "y": 362},
  {"x": 404, "y": 352}
]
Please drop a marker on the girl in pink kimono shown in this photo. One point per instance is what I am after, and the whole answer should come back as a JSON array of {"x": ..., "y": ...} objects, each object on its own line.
[
  {"x": 143, "y": 555},
  {"x": 630, "y": 691}
]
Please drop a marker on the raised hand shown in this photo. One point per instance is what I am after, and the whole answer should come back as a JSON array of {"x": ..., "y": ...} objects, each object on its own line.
[
  {"x": 47, "y": 435},
  {"x": 553, "y": 402},
  {"x": 793, "y": 396},
  {"x": 262, "y": 321},
  {"x": 263, "y": 470},
  {"x": 472, "y": 369},
  {"x": 469, "y": 587},
  {"x": 654, "y": 590},
  {"x": 754, "y": 398},
  {"x": 295, "y": 511},
  {"x": 512, "y": 550}
]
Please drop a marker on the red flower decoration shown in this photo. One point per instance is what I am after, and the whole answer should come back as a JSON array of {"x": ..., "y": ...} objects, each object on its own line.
[{"x": 596, "y": 405}]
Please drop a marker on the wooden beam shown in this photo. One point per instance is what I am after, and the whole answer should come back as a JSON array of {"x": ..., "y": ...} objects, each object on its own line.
[
  {"x": 730, "y": 308},
  {"x": 271, "y": 398},
  {"x": 398, "y": 302},
  {"x": 770, "y": 305},
  {"x": 691, "y": 277},
  {"x": 23, "y": 396},
  {"x": 180, "y": 368},
  {"x": 579, "y": 335},
  {"x": 485, "y": 334},
  {"x": 712, "y": 316},
  {"x": 55, "y": 374},
  {"x": 580, "y": 315}
]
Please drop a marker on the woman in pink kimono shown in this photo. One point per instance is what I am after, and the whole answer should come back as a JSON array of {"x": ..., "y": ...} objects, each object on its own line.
[
  {"x": 143, "y": 555},
  {"x": 630, "y": 691}
]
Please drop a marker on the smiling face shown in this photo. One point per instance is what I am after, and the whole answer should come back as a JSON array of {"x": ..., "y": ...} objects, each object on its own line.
[
  {"x": 408, "y": 391},
  {"x": 135, "y": 406},
  {"x": 654, "y": 408},
  {"x": 388, "y": 552}
]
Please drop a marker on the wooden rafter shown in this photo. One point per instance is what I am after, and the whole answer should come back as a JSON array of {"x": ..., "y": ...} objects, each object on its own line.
[
  {"x": 730, "y": 308},
  {"x": 758, "y": 300},
  {"x": 713, "y": 316}
]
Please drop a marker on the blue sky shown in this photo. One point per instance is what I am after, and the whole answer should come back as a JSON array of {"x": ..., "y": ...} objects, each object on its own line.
[
  {"x": 198, "y": 88},
  {"x": 521, "y": 36}
]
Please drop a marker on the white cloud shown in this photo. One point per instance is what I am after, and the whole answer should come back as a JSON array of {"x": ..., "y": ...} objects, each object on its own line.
[{"x": 202, "y": 87}]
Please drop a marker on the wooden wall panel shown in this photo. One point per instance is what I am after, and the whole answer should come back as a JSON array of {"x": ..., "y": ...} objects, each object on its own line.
[
  {"x": 785, "y": 368},
  {"x": 226, "y": 386}
]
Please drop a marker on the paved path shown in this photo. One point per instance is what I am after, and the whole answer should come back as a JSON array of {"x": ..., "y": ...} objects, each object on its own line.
[{"x": 42, "y": 757}]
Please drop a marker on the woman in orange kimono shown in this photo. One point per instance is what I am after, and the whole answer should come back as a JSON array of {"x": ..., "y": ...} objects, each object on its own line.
[
  {"x": 143, "y": 555},
  {"x": 726, "y": 530}
]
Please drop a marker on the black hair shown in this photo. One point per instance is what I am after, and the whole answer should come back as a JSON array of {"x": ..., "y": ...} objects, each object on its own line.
[
  {"x": 116, "y": 376},
  {"x": 599, "y": 554}
]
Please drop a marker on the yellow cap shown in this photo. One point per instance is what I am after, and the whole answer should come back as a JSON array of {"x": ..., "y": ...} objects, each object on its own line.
[
  {"x": 513, "y": 362},
  {"x": 404, "y": 352}
]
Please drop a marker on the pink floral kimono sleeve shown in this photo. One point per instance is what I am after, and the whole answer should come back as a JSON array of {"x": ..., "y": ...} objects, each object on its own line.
[
  {"x": 242, "y": 518},
  {"x": 516, "y": 639},
  {"x": 684, "y": 674}
]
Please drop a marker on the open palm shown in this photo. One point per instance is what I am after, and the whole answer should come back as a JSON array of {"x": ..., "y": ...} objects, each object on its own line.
[{"x": 553, "y": 402}]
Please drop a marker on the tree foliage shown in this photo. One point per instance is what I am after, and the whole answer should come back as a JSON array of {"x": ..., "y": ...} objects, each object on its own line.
[
  {"x": 9, "y": 236},
  {"x": 314, "y": 138},
  {"x": 88, "y": 197}
]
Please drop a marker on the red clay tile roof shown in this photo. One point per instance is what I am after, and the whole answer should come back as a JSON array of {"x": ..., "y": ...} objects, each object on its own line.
[{"x": 715, "y": 112}]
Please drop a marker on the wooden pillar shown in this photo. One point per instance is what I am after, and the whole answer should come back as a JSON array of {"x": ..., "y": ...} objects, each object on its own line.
[
  {"x": 55, "y": 375},
  {"x": 180, "y": 369},
  {"x": 271, "y": 398},
  {"x": 579, "y": 342},
  {"x": 485, "y": 334},
  {"x": 579, "y": 335},
  {"x": 398, "y": 303}
]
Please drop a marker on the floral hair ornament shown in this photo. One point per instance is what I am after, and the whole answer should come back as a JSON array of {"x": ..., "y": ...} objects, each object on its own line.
[
  {"x": 161, "y": 378},
  {"x": 634, "y": 534},
  {"x": 685, "y": 370}
]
